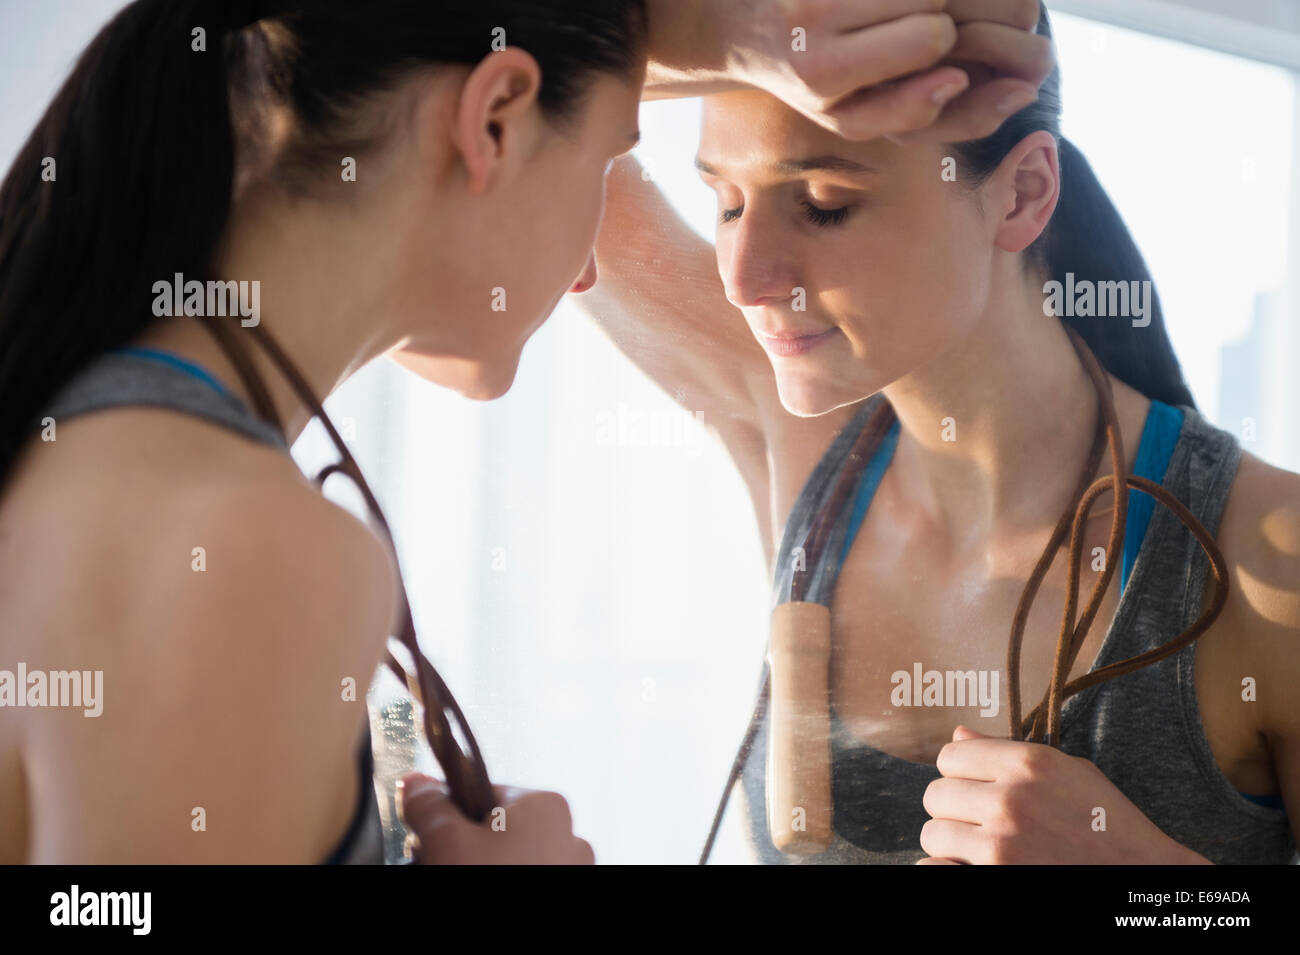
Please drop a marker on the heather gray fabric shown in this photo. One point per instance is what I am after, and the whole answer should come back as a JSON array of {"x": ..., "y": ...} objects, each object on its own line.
[
  {"x": 116, "y": 380},
  {"x": 1143, "y": 730}
]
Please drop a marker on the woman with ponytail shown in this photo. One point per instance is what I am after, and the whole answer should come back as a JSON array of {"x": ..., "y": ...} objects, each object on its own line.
[
  {"x": 229, "y": 208},
  {"x": 940, "y": 366}
]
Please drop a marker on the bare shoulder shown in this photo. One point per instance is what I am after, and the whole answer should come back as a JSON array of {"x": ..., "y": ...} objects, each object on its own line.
[
  {"x": 1259, "y": 535},
  {"x": 148, "y": 500},
  {"x": 227, "y": 606}
]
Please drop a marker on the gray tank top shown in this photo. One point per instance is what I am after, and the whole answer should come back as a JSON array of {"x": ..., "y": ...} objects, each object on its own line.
[
  {"x": 1143, "y": 730},
  {"x": 115, "y": 380}
]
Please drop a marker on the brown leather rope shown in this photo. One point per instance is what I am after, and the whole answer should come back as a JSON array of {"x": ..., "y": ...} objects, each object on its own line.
[
  {"x": 1072, "y": 522},
  {"x": 467, "y": 777},
  {"x": 1071, "y": 638}
]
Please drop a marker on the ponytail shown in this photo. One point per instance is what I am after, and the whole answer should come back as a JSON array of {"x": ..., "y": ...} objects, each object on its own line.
[
  {"x": 125, "y": 181},
  {"x": 1087, "y": 241}
]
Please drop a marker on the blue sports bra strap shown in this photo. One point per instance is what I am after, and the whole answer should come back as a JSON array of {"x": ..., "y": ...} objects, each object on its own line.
[
  {"x": 190, "y": 368},
  {"x": 810, "y": 582},
  {"x": 871, "y": 478},
  {"x": 262, "y": 403},
  {"x": 1160, "y": 436}
]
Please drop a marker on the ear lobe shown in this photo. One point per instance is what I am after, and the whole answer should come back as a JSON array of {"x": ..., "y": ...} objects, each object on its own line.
[
  {"x": 498, "y": 93},
  {"x": 1034, "y": 185}
]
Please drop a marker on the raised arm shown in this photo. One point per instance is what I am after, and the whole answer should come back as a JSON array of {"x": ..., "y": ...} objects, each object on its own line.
[{"x": 661, "y": 302}]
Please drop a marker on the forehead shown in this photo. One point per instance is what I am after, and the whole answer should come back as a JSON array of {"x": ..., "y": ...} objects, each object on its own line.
[{"x": 750, "y": 130}]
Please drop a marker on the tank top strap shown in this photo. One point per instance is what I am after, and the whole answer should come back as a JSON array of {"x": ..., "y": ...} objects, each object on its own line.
[
  {"x": 1169, "y": 569},
  {"x": 1164, "y": 425},
  {"x": 810, "y": 502},
  {"x": 133, "y": 377}
]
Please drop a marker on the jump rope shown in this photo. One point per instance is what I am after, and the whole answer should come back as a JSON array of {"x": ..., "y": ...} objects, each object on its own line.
[{"x": 796, "y": 679}]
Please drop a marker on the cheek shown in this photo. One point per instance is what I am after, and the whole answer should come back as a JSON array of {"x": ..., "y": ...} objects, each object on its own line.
[
  {"x": 568, "y": 232},
  {"x": 590, "y": 210},
  {"x": 904, "y": 286}
]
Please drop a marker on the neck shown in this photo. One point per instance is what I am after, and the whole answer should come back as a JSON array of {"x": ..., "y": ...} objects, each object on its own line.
[
  {"x": 996, "y": 430},
  {"x": 313, "y": 301}
]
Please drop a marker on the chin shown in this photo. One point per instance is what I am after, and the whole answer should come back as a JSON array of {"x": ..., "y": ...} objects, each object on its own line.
[
  {"x": 807, "y": 396},
  {"x": 470, "y": 378},
  {"x": 491, "y": 381}
]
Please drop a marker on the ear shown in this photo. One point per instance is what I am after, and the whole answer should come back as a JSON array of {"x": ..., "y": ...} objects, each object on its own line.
[
  {"x": 1025, "y": 191},
  {"x": 492, "y": 117}
]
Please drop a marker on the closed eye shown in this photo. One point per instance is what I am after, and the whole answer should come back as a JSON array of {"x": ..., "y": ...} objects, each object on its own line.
[
  {"x": 814, "y": 214},
  {"x": 825, "y": 217}
]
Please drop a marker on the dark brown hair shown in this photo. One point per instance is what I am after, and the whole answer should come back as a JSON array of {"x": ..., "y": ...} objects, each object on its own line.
[
  {"x": 1087, "y": 237},
  {"x": 144, "y": 145}
]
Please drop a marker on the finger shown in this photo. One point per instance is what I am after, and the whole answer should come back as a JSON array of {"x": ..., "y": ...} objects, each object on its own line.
[
  {"x": 900, "y": 107},
  {"x": 548, "y": 809},
  {"x": 413, "y": 782},
  {"x": 963, "y": 800},
  {"x": 976, "y": 114},
  {"x": 1006, "y": 50},
  {"x": 424, "y": 802},
  {"x": 412, "y": 848},
  {"x": 984, "y": 759},
  {"x": 847, "y": 16},
  {"x": 930, "y": 860},
  {"x": 508, "y": 795},
  {"x": 948, "y": 839},
  {"x": 1022, "y": 14},
  {"x": 876, "y": 54}
]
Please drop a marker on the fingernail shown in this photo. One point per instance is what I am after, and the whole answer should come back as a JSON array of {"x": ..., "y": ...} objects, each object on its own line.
[
  {"x": 410, "y": 784},
  {"x": 946, "y": 92},
  {"x": 1015, "y": 102}
]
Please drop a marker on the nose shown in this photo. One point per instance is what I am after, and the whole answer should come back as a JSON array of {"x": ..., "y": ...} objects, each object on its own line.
[
  {"x": 588, "y": 278},
  {"x": 754, "y": 263}
]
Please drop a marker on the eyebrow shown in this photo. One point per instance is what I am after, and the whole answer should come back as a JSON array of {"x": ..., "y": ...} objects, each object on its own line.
[{"x": 794, "y": 166}]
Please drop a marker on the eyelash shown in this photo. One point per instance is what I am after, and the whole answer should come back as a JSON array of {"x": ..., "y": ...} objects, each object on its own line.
[
  {"x": 818, "y": 217},
  {"x": 825, "y": 217}
]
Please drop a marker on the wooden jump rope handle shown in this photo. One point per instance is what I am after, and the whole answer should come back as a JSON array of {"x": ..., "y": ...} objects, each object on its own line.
[{"x": 799, "y": 801}]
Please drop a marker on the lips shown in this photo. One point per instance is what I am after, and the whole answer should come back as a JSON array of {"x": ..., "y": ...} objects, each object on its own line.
[
  {"x": 789, "y": 344},
  {"x": 787, "y": 334}
]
